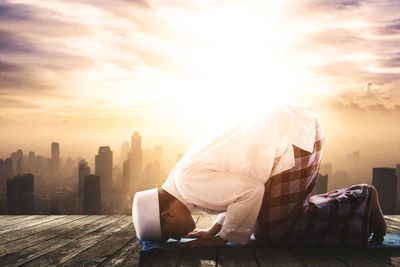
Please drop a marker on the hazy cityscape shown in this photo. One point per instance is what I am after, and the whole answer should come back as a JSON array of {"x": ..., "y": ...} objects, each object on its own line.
[
  {"x": 71, "y": 186},
  {"x": 36, "y": 184}
]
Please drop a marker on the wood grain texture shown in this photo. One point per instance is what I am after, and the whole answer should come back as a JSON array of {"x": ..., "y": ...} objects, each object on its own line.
[
  {"x": 267, "y": 256},
  {"x": 66, "y": 252},
  {"x": 355, "y": 257},
  {"x": 234, "y": 257},
  {"x": 4, "y": 219},
  {"x": 104, "y": 249},
  {"x": 40, "y": 240},
  {"x": 126, "y": 256},
  {"x": 29, "y": 223},
  {"x": 87, "y": 226},
  {"x": 160, "y": 257},
  {"x": 198, "y": 257},
  {"x": 21, "y": 219},
  {"x": 46, "y": 226},
  {"x": 31, "y": 240},
  {"x": 316, "y": 257}
]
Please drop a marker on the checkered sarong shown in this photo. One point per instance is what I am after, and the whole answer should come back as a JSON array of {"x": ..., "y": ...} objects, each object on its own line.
[{"x": 290, "y": 215}]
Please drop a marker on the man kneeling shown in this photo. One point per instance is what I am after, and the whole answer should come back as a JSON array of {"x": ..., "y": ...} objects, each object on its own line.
[{"x": 258, "y": 176}]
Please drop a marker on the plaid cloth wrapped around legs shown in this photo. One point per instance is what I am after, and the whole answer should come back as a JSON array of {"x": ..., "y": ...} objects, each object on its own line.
[{"x": 290, "y": 215}]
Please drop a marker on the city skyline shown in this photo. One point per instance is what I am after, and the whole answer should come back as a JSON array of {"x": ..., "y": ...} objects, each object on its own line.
[{"x": 91, "y": 73}]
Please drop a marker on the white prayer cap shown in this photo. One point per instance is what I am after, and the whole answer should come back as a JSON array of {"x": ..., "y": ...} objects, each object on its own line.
[{"x": 146, "y": 215}]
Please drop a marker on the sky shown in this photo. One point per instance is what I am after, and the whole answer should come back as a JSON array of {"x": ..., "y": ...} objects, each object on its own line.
[{"x": 89, "y": 73}]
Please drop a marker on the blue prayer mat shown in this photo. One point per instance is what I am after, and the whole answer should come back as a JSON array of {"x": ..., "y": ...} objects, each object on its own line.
[{"x": 391, "y": 240}]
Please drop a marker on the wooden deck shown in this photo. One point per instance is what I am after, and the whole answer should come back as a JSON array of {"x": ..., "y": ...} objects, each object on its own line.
[{"x": 69, "y": 240}]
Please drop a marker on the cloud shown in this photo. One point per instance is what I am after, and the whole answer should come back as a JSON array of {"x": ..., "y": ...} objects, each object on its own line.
[{"x": 16, "y": 104}]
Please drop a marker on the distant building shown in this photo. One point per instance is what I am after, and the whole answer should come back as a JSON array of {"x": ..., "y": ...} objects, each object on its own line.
[
  {"x": 104, "y": 169},
  {"x": 31, "y": 161},
  {"x": 20, "y": 194},
  {"x": 17, "y": 161},
  {"x": 92, "y": 195},
  {"x": 385, "y": 182},
  {"x": 126, "y": 181},
  {"x": 124, "y": 151},
  {"x": 55, "y": 157},
  {"x": 398, "y": 188},
  {"x": 152, "y": 174},
  {"x": 7, "y": 169},
  {"x": 136, "y": 162},
  {"x": 321, "y": 185},
  {"x": 326, "y": 168},
  {"x": 83, "y": 171}
]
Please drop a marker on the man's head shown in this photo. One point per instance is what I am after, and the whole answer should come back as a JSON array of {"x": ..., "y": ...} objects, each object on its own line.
[
  {"x": 157, "y": 215},
  {"x": 175, "y": 218}
]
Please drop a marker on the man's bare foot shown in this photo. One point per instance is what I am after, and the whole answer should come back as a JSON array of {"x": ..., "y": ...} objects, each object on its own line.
[{"x": 376, "y": 220}]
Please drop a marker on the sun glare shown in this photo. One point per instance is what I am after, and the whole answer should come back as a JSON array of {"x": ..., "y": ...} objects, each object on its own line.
[{"x": 236, "y": 63}]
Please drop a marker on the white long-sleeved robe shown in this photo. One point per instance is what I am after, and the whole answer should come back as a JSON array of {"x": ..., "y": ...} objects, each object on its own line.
[{"x": 226, "y": 174}]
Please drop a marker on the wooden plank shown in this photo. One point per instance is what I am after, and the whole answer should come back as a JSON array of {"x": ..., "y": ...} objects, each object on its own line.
[
  {"x": 392, "y": 229},
  {"x": 66, "y": 252},
  {"x": 89, "y": 225},
  {"x": 355, "y": 257},
  {"x": 19, "y": 219},
  {"x": 160, "y": 257},
  {"x": 316, "y": 257},
  {"x": 26, "y": 232},
  {"x": 127, "y": 256},
  {"x": 104, "y": 249},
  {"x": 390, "y": 256},
  {"x": 29, "y": 223},
  {"x": 31, "y": 240},
  {"x": 239, "y": 256},
  {"x": 198, "y": 257},
  {"x": 268, "y": 256},
  {"x": 7, "y": 218}
]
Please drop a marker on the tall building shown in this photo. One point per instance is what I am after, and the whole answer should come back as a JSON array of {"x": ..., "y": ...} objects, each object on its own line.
[
  {"x": 31, "y": 161},
  {"x": 55, "y": 157},
  {"x": 7, "y": 168},
  {"x": 126, "y": 181},
  {"x": 83, "y": 171},
  {"x": 385, "y": 182},
  {"x": 398, "y": 188},
  {"x": 92, "y": 195},
  {"x": 104, "y": 168},
  {"x": 20, "y": 194},
  {"x": 124, "y": 151},
  {"x": 17, "y": 161},
  {"x": 136, "y": 162}
]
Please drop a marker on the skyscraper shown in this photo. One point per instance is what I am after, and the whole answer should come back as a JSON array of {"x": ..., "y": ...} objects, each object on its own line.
[
  {"x": 385, "y": 182},
  {"x": 104, "y": 168},
  {"x": 31, "y": 161},
  {"x": 398, "y": 188},
  {"x": 20, "y": 194},
  {"x": 92, "y": 195},
  {"x": 136, "y": 162},
  {"x": 83, "y": 171},
  {"x": 7, "y": 167},
  {"x": 17, "y": 161},
  {"x": 55, "y": 157},
  {"x": 124, "y": 151}
]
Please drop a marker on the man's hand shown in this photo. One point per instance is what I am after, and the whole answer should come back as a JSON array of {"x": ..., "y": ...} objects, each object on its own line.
[
  {"x": 212, "y": 231},
  {"x": 214, "y": 241},
  {"x": 200, "y": 233}
]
